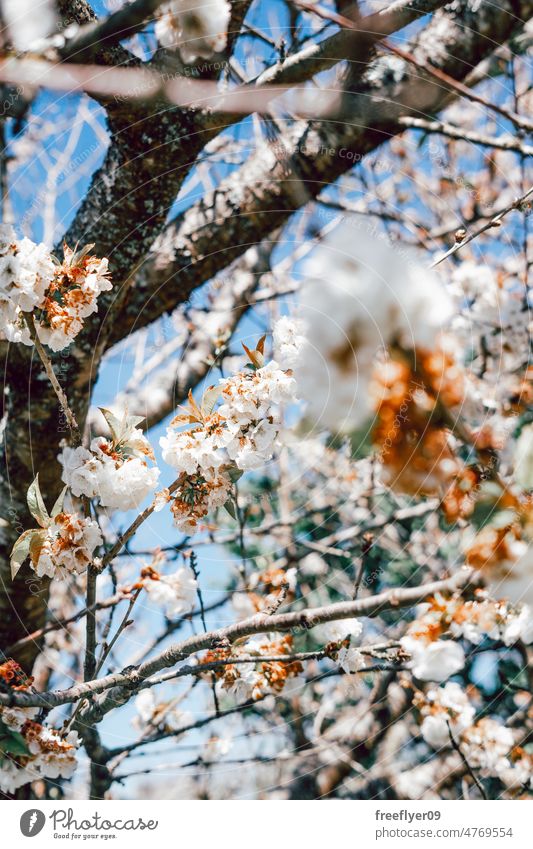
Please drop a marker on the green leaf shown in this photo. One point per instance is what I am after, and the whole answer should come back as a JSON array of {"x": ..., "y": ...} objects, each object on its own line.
[
  {"x": 36, "y": 504},
  {"x": 230, "y": 507},
  {"x": 14, "y": 744},
  {"x": 234, "y": 474},
  {"x": 20, "y": 551},
  {"x": 58, "y": 506}
]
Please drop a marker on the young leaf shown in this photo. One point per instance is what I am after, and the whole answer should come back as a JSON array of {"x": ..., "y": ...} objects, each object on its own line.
[
  {"x": 36, "y": 545},
  {"x": 58, "y": 506},
  {"x": 230, "y": 507},
  {"x": 209, "y": 399},
  {"x": 113, "y": 422},
  {"x": 234, "y": 473},
  {"x": 194, "y": 406},
  {"x": 77, "y": 256},
  {"x": 256, "y": 357},
  {"x": 36, "y": 504},
  {"x": 20, "y": 552},
  {"x": 183, "y": 418}
]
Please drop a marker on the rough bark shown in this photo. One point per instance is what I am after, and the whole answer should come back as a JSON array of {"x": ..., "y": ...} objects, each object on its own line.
[{"x": 269, "y": 188}]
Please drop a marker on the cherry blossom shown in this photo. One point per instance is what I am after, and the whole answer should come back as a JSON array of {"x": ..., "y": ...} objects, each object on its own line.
[
  {"x": 196, "y": 30},
  {"x": 115, "y": 471},
  {"x": 60, "y": 296},
  {"x": 175, "y": 594}
]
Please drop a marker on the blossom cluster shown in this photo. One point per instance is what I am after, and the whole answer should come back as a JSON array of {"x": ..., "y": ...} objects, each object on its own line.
[
  {"x": 376, "y": 299},
  {"x": 29, "y": 750},
  {"x": 113, "y": 470},
  {"x": 256, "y": 678},
  {"x": 197, "y": 30},
  {"x": 412, "y": 398},
  {"x": 431, "y": 640},
  {"x": 223, "y": 441},
  {"x": 502, "y": 548},
  {"x": 64, "y": 543},
  {"x": 58, "y": 295},
  {"x": 448, "y": 716}
]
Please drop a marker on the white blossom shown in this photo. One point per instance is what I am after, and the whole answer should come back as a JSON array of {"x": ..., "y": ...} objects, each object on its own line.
[
  {"x": 28, "y": 26},
  {"x": 486, "y": 746},
  {"x": 434, "y": 661},
  {"x": 175, "y": 594},
  {"x": 313, "y": 565},
  {"x": 350, "y": 659},
  {"x": 289, "y": 341},
  {"x": 68, "y": 546},
  {"x": 197, "y": 29},
  {"x": 118, "y": 478},
  {"x": 40, "y": 751},
  {"x": 240, "y": 434},
  {"x": 447, "y": 709},
  {"x": 358, "y": 296},
  {"x": 60, "y": 296},
  {"x": 339, "y": 629},
  {"x": 523, "y": 458},
  {"x": 519, "y": 627}
]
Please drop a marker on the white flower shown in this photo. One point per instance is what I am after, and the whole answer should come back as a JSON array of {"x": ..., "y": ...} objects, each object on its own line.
[
  {"x": 197, "y": 30},
  {"x": 243, "y": 605},
  {"x": 253, "y": 449},
  {"x": 339, "y": 629},
  {"x": 27, "y": 25},
  {"x": 216, "y": 748},
  {"x": 176, "y": 593},
  {"x": 119, "y": 479},
  {"x": 313, "y": 564},
  {"x": 288, "y": 341},
  {"x": 190, "y": 451},
  {"x": 145, "y": 705},
  {"x": 523, "y": 458},
  {"x": 434, "y": 661},
  {"x": 26, "y": 271},
  {"x": 447, "y": 709},
  {"x": 68, "y": 547},
  {"x": 358, "y": 296},
  {"x": 49, "y": 756},
  {"x": 60, "y": 295},
  {"x": 247, "y": 685},
  {"x": 161, "y": 500},
  {"x": 124, "y": 486},
  {"x": 240, "y": 434},
  {"x": 519, "y": 627},
  {"x": 15, "y": 717},
  {"x": 350, "y": 659},
  {"x": 80, "y": 468},
  {"x": 486, "y": 746}
]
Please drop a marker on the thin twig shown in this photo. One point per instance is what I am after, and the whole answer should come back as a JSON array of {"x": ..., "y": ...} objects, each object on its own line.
[
  {"x": 495, "y": 221},
  {"x": 126, "y": 622},
  {"x": 464, "y": 759},
  {"x": 62, "y": 398}
]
